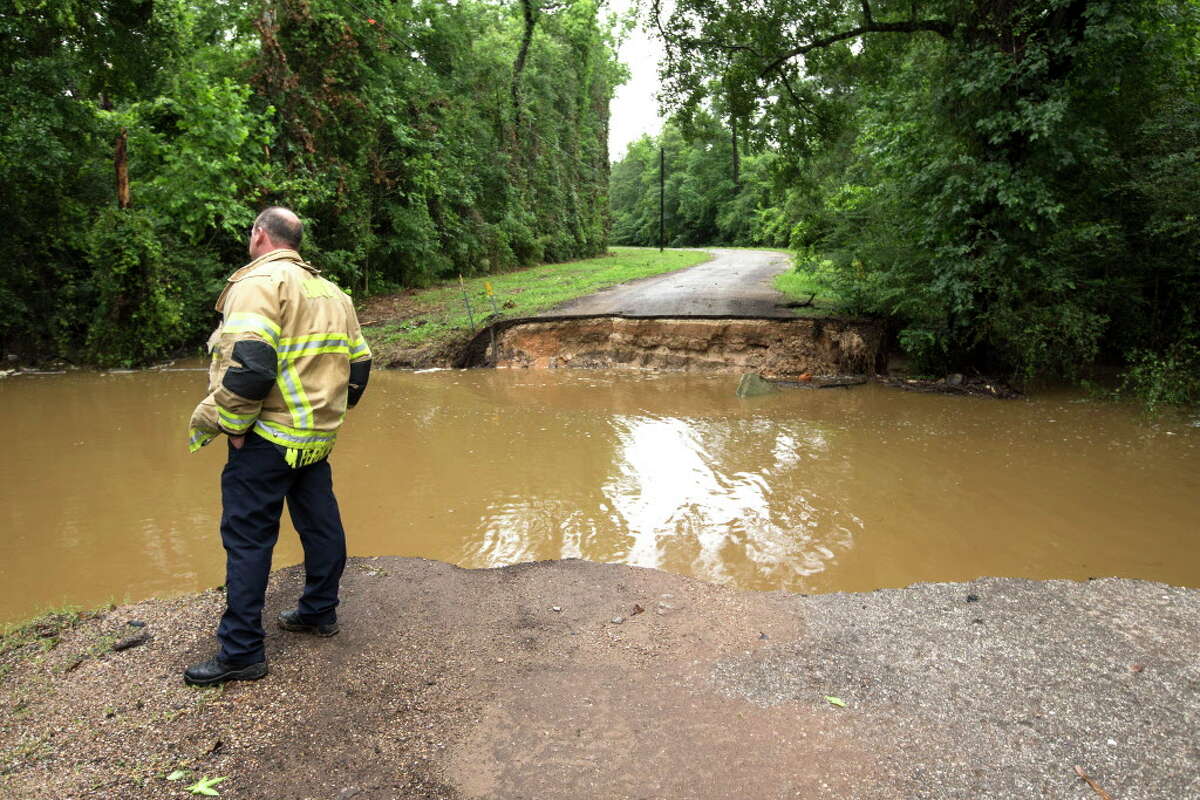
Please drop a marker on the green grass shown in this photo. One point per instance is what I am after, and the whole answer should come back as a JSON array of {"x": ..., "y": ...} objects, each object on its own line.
[
  {"x": 442, "y": 313},
  {"x": 45, "y": 629},
  {"x": 800, "y": 286}
]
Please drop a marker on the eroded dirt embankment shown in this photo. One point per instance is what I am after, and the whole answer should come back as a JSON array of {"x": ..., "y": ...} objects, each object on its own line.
[
  {"x": 572, "y": 680},
  {"x": 776, "y": 348}
]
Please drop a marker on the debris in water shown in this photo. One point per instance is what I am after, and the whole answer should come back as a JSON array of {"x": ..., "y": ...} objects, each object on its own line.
[{"x": 754, "y": 385}]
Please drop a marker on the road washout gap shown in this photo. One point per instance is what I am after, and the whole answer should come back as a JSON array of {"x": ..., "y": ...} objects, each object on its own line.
[{"x": 777, "y": 348}]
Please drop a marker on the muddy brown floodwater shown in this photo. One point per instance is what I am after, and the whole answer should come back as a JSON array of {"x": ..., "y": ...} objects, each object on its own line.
[{"x": 808, "y": 491}]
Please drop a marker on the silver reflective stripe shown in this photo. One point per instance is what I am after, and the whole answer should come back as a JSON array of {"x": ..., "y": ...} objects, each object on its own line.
[
  {"x": 297, "y": 401},
  {"x": 199, "y": 438},
  {"x": 238, "y": 421},
  {"x": 325, "y": 346},
  {"x": 281, "y": 435},
  {"x": 249, "y": 322}
]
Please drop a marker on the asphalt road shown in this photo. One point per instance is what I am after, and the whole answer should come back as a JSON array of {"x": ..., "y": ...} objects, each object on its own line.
[{"x": 735, "y": 283}]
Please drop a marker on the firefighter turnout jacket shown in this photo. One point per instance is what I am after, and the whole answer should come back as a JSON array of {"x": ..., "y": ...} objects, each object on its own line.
[{"x": 288, "y": 359}]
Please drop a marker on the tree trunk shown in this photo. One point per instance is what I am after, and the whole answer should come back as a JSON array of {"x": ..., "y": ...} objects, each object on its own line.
[
  {"x": 121, "y": 162},
  {"x": 737, "y": 161},
  {"x": 530, "y": 12}
]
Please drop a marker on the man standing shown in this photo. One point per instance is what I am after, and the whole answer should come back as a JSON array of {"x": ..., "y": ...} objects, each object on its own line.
[{"x": 287, "y": 361}]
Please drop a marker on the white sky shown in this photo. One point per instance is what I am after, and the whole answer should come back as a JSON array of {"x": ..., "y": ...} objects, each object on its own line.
[{"x": 634, "y": 109}]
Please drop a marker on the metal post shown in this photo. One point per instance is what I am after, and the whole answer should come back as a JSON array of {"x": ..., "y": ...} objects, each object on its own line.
[
  {"x": 467, "y": 302},
  {"x": 662, "y": 170}
]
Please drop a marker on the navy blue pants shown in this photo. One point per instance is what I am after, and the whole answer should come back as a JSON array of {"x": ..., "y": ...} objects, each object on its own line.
[{"x": 254, "y": 484}]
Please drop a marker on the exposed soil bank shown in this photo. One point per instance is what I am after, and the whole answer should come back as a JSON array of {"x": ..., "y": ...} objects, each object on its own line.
[
  {"x": 776, "y": 348},
  {"x": 577, "y": 680}
]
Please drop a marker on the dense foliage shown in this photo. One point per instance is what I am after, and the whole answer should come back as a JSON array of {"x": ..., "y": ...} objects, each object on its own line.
[
  {"x": 1014, "y": 182},
  {"x": 419, "y": 139}
]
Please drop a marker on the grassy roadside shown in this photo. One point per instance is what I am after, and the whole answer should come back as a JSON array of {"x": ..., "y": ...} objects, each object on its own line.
[
  {"x": 804, "y": 286},
  {"x": 423, "y": 327}
]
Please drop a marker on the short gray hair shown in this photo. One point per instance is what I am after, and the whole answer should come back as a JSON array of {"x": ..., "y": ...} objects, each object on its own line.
[{"x": 281, "y": 225}]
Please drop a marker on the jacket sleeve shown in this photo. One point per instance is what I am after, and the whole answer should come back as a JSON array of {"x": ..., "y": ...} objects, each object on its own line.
[
  {"x": 247, "y": 351},
  {"x": 360, "y": 360}
]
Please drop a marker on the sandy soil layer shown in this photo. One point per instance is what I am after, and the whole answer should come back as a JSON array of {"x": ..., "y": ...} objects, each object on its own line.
[
  {"x": 776, "y": 348},
  {"x": 577, "y": 680}
]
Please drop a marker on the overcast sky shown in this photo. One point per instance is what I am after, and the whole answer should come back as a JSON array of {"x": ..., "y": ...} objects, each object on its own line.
[{"x": 634, "y": 109}]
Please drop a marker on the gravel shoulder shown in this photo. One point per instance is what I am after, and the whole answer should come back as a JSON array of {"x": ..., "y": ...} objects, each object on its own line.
[{"x": 571, "y": 679}]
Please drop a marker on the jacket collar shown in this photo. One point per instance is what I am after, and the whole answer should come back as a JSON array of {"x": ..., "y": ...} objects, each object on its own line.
[{"x": 282, "y": 254}]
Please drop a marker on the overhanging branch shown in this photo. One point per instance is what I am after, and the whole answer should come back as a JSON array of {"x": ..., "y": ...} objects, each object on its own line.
[{"x": 940, "y": 27}]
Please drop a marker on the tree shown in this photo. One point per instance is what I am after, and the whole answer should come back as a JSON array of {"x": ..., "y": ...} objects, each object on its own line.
[{"x": 971, "y": 163}]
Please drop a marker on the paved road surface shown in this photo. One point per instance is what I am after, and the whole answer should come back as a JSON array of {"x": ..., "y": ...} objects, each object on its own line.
[{"x": 734, "y": 283}]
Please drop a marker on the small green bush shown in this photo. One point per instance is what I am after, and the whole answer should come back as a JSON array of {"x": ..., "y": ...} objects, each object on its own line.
[
  {"x": 1167, "y": 378},
  {"x": 137, "y": 314}
]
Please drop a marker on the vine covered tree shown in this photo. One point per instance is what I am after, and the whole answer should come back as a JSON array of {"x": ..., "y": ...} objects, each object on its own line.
[
  {"x": 418, "y": 139},
  {"x": 1008, "y": 180}
]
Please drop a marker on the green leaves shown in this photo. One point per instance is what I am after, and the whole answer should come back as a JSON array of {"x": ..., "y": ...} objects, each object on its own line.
[
  {"x": 205, "y": 786},
  {"x": 1017, "y": 191},
  {"x": 390, "y": 138}
]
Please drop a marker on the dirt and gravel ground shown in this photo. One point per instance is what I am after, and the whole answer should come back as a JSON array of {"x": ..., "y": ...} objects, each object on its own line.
[
  {"x": 578, "y": 680},
  {"x": 735, "y": 283}
]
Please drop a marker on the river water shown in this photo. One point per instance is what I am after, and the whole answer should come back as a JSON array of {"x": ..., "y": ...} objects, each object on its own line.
[{"x": 805, "y": 490}]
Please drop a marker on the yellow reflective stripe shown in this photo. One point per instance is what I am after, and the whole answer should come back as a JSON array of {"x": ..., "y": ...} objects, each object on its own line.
[
  {"x": 315, "y": 337},
  {"x": 249, "y": 322},
  {"x": 288, "y": 436},
  {"x": 318, "y": 350},
  {"x": 297, "y": 402},
  {"x": 236, "y": 422},
  {"x": 359, "y": 348},
  {"x": 313, "y": 345},
  {"x": 300, "y": 393},
  {"x": 198, "y": 438}
]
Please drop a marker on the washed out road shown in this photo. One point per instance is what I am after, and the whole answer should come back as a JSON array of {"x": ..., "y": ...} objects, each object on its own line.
[{"x": 735, "y": 283}]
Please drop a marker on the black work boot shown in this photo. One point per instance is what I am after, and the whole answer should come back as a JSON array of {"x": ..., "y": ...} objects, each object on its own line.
[
  {"x": 215, "y": 670},
  {"x": 291, "y": 621}
]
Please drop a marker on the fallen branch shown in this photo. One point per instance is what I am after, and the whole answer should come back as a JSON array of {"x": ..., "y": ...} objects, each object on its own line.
[
  {"x": 806, "y": 304},
  {"x": 1095, "y": 786}
]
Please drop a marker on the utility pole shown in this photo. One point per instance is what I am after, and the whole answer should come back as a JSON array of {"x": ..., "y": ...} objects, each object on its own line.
[{"x": 662, "y": 169}]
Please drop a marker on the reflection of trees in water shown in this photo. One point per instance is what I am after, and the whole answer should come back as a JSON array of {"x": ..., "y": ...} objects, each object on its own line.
[
  {"x": 745, "y": 500},
  {"x": 488, "y": 468},
  {"x": 657, "y": 470}
]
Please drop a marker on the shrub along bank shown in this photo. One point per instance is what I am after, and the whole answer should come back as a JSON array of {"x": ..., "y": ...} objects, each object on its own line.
[
  {"x": 418, "y": 140},
  {"x": 1013, "y": 183}
]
